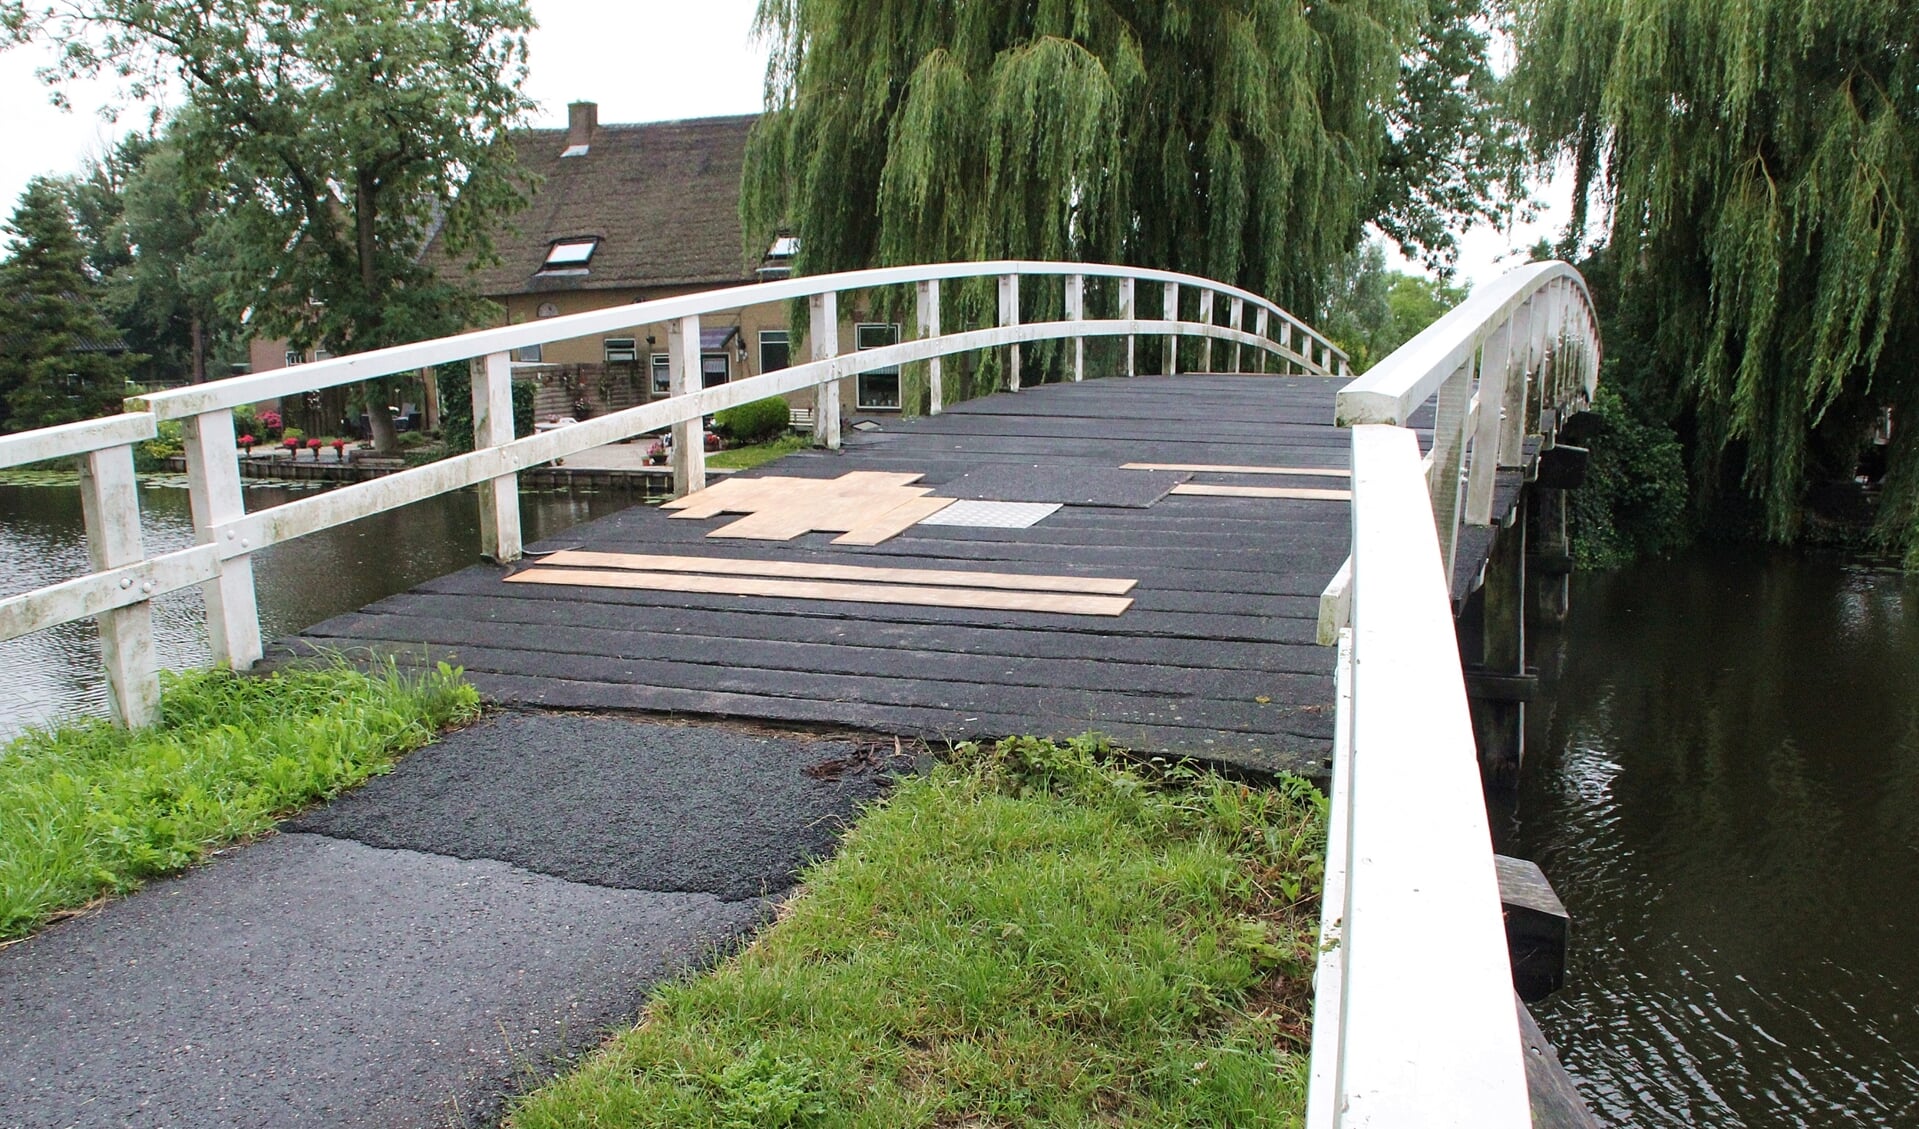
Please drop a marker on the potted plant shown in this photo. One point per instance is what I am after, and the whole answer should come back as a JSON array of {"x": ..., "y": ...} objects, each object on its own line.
[
  {"x": 339, "y": 450},
  {"x": 246, "y": 444},
  {"x": 292, "y": 444},
  {"x": 270, "y": 423},
  {"x": 656, "y": 454}
]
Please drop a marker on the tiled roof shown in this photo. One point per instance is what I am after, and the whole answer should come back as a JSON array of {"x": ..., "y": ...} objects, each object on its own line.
[{"x": 663, "y": 198}]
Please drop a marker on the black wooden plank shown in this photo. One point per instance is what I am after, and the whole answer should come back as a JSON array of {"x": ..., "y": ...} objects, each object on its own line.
[{"x": 1160, "y": 652}]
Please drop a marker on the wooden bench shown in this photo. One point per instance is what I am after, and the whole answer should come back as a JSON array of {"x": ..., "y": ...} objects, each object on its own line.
[{"x": 800, "y": 419}]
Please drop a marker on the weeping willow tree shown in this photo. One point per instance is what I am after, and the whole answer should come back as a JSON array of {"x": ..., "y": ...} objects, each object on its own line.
[
  {"x": 1243, "y": 140},
  {"x": 1760, "y": 161}
]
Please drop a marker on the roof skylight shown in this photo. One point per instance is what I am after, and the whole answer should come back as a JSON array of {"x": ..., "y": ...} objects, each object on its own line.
[{"x": 570, "y": 253}]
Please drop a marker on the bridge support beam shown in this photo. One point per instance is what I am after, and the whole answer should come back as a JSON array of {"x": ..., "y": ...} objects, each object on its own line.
[
  {"x": 1492, "y": 636},
  {"x": 215, "y": 493},
  {"x": 1172, "y": 339},
  {"x": 1127, "y": 308},
  {"x": 1009, "y": 316}
]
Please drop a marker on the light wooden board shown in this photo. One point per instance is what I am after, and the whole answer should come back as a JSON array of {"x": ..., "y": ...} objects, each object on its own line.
[
  {"x": 1209, "y": 490},
  {"x": 1211, "y": 468},
  {"x": 987, "y": 599},
  {"x": 801, "y": 570},
  {"x": 883, "y": 527}
]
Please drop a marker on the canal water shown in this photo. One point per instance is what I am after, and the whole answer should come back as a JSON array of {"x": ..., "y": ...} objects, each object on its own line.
[
  {"x": 56, "y": 673},
  {"x": 1724, "y": 789}
]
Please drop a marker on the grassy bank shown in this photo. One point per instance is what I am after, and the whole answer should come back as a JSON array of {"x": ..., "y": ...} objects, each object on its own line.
[
  {"x": 1031, "y": 935},
  {"x": 759, "y": 454},
  {"x": 87, "y": 809}
]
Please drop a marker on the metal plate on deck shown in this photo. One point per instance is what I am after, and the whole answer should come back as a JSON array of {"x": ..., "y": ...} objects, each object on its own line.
[{"x": 993, "y": 515}]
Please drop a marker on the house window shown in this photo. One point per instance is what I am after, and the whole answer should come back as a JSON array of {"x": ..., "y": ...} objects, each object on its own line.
[
  {"x": 528, "y": 354},
  {"x": 294, "y": 357},
  {"x": 566, "y": 256},
  {"x": 776, "y": 350},
  {"x": 621, "y": 350},
  {"x": 662, "y": 375},
  {"x": 714, "y": 369},
  {"x": 879, "y": 390}
]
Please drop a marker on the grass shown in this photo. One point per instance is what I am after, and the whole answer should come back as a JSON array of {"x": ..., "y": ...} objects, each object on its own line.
[
  {"x": 746, "y": 458},
  {"x": 87, "y": 809},
  {"x": 1033, "y": 934}
]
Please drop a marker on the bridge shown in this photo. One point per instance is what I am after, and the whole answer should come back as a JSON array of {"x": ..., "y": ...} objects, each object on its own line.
[{"x": 1258, "y": 562}]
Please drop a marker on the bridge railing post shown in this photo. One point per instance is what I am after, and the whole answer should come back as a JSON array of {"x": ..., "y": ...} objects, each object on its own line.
[
  {"x": 1449, "y": 439},
  {"x": 110, "y": 506},
  {"x": 1494, "y": 361},
  {"x": 1260, "y": 326},
  {"x": 1076, "y": 311},
  {"x": 824, "y": 336},
  {"x": 683, "y": 375},
  {"x": 493, "y": 427},
  {"x": 1206, "y": 343},
  {"x": 929, "y": 326},
  {"x": 216, "y": 496},
  {"x": 1171, "y": 292},
  {"x": 1238, "y": 317},
  {"x": 1009, "y": 316},
  {"x": 1127, "y": 312}
]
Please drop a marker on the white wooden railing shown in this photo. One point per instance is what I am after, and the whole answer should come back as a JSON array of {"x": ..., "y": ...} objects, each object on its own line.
[
  {"x": 1414, "y": 1022},
  {"x": 124, "y": 580}
]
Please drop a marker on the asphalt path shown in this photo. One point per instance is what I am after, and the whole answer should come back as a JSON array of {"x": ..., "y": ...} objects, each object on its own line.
[{"x": 421, "y": 949}]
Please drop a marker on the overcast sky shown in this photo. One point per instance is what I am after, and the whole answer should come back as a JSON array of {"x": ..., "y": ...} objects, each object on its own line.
[{"x": 650, "y": 61}]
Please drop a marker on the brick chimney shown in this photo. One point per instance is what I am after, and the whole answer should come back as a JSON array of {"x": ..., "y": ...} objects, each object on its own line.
[{"x": 582, "y": 122}]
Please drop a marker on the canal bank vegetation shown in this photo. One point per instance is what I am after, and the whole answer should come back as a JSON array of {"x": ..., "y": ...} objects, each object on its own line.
[
  {"x": 1032, "y": 933},
  {"x": 88, "y": 809}
]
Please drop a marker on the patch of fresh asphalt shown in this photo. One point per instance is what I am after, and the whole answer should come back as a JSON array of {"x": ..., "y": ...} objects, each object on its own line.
[
  {"x": 326, "y": 980},
  {"x": 613, "y": 802}
]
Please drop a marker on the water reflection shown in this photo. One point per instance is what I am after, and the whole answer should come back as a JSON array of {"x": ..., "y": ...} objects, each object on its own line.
[
  {"x": 1726, "y": 795},
  {"x": 57, "y": 672}
]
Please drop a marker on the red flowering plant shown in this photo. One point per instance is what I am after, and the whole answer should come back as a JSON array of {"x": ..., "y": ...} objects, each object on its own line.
[
  {"x": 246, "y": 443},
  {"x": 339, "y": 449},
  {"x": 314, "y": 445},
  {"x": 270, "y": 422},
  {"x": 291, "y": 445}
]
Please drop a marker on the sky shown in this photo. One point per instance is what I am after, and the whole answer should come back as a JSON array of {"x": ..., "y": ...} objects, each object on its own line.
[{"x": 651, "y": 60}]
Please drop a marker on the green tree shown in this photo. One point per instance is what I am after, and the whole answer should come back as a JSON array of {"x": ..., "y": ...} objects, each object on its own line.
[
  {"x": 167, "y": 296},
  {"x": 1761, "y": 163},
  {"x": 1244, "y": 140},
  {"x": 60, "y": 359},
  {"x": 1372, "y": 310},
  {"x": 341, "y": 135}
]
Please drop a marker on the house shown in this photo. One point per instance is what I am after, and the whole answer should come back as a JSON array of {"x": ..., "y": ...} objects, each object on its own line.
[{"x": 627, "y": 213}]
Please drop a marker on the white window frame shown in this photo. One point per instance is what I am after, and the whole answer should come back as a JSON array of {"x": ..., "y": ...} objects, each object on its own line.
[
  {"x": 724, "y": 358},
  {"x": 620, "y": 350},
  {"x": 661, "y": 365}
]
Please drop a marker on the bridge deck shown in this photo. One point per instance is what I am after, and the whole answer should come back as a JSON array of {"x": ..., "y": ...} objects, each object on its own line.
[{"x": 1214, "y": 658}]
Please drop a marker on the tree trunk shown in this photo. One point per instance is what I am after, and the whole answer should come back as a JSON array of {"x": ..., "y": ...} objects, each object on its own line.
[
  {"x": 199, "y": 351},
  {"x": 386, "y": 440},
  {"x": 430, "y": 406}
]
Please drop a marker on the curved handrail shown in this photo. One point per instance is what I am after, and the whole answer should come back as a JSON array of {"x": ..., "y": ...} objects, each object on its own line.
[
  {"x": 1394, "y": 388},
  {"x": 233, "y": 392}
]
